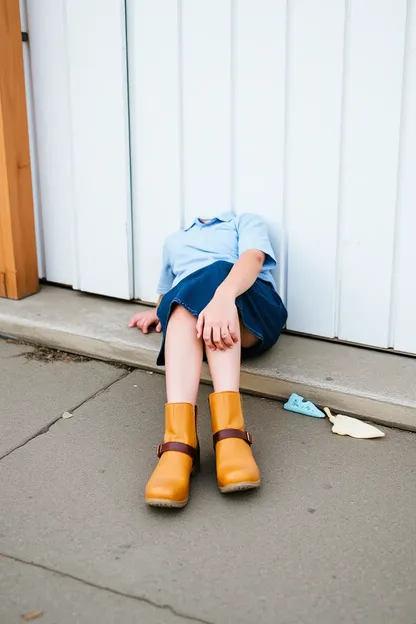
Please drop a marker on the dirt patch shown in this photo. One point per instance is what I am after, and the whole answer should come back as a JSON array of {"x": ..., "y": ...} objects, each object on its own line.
[
  {"x": 43, "y": 354},
  {"x": 47, "y": 355}
]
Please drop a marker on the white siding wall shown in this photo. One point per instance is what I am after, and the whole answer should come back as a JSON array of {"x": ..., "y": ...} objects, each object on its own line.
[
  {"x": 79, "y": 78},
  {"x": 375, "y": 45},
  {"x": 301, "y": 111}
]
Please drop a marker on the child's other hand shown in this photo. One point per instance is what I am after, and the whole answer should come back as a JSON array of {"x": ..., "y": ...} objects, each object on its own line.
[
  {"x": 145, "y": 320},
  {"x": 218, "y": 323}
]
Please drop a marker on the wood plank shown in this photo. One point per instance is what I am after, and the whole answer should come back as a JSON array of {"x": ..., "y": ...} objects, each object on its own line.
[
  {"x": 259, "y": 63},
  {"x": 34, "y": 163},
  {"x": 372, "y": 110},
  {"x": 17, "y": 226},
  {"x": 153, "y": 48},
  {"x": 314, "y": 105}
]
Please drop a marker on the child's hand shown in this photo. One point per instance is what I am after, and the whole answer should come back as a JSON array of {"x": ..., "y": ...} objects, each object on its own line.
[
  {"x": 145, "y": 320},
  {"x": 218, "y": 323}
]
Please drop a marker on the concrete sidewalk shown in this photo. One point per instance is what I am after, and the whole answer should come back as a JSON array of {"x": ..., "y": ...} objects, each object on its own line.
[
  {"x": 373, "y": 385},
  {"x": 330, "y": 536}
]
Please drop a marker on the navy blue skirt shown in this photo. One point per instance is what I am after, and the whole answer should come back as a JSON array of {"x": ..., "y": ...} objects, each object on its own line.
[{"x": 261, "y": 309}]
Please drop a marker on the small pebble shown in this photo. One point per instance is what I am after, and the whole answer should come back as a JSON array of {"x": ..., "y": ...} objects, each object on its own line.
[
  {"x": 67, "y": 415},
  {"x": 32, "y": 615}
]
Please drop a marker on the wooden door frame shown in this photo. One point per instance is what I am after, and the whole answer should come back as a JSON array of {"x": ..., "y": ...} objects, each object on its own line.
[{"x": 18, "y": 260}]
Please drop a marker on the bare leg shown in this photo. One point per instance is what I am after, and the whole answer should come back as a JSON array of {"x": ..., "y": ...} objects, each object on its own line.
[
  {"x": 225, "y": 365},
  {"x": 169, "y": 484},
  {"x": 183, "y": 357},
  {"x": 235, "y": 464}
]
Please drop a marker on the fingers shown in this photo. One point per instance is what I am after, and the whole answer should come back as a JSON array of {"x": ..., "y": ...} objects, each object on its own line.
[
  {"x": 137, "y": 320},
  {"x": 216, "y": 338},
  {"x": 226, "y": 337},
  {"x": 200, "y": 326},
  {"x": 134, "y": 320},
  {"x": 221, "y": 338},
  {"x": 233, "y": 332},
  {"x": 145, "y": 326},
  {"x": 207, "y": 335},
  {"x": 145, "y": 320}
]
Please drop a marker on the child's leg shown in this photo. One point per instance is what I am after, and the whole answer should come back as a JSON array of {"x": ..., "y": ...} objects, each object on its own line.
[
  {"x": 236, "y": 467},
  {"x": 169, "y": 484},
  {"x": 225, "y": 365},
  {"x": 183, "y": 358}
]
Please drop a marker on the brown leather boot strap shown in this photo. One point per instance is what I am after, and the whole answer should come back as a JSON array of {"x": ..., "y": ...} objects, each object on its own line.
[
  {"x": 179, "y": 447},
  {"x": 223, "y": 434}
]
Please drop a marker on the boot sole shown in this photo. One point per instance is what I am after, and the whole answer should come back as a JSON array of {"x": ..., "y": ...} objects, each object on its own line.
[
  {"x": 239, "y": 487},
  {"x": 163, "y": 502}
]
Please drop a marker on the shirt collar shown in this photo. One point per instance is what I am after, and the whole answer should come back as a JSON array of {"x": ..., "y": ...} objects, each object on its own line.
[{"x": 224, "y": 217}]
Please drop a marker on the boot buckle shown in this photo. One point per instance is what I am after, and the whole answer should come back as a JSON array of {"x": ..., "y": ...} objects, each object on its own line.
[
  {"x": 178, "y": 447},
  {"x": 224, "y": 434}
]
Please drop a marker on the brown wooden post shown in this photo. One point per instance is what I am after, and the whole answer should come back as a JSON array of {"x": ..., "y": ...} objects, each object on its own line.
[{"x": 18, "y": 263}]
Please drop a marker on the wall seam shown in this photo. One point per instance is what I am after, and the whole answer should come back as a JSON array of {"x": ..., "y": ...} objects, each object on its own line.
[
  {"x": 233, "y": 106},
  {"x": 284, "y": 234},
  {"x": 181, "y": 154},
  {"x": 398, "y": 203},
  {"x": 341, "y": 172}
]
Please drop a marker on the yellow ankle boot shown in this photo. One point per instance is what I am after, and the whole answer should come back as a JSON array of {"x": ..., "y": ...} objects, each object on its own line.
[
  {"x": 179, "y": 457},
  {"x": 236, "y": 468}
]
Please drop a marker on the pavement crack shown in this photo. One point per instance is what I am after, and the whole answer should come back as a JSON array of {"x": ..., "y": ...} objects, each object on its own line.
[
  {"x": 148, "y": 601},
  {"x": 47, "y": 427}
]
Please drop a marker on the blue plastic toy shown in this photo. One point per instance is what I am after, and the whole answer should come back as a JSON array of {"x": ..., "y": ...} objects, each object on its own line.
[{"x": 298, "y": 404}]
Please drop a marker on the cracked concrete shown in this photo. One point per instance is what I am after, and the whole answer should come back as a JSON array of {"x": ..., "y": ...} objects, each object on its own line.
[
  {"x": 329, "y": 537},
  {"x": 33, "y": 395},
  {"x": 47, "y": 427},
  {"x": 70, "y": 599}
]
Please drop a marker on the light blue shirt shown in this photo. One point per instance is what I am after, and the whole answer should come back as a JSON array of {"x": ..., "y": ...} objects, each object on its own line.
[{"x": 224, "y": 237}]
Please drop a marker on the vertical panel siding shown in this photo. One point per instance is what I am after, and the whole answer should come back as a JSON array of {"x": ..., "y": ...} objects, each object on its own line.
[
  {"x": 51, "y": 108},
  {"x": 100, "y": 144},
  {"x": 370, "y": 163},
  {"x": 78, "y": 63},
  {"x": 300, "y": 111},
  {"x": 259, "y": 114},
  {"x": 314, "y": 104},
  {"x": 402, "y": 322},
  {"x": 206, "y": 74},
  {"x": 153, "y": 45}
]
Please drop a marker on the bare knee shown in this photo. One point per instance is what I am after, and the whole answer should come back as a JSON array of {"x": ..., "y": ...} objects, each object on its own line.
[{"x": 182, "y": 314}]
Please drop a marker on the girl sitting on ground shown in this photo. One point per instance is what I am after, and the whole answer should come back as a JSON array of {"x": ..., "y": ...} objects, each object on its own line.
[{"x": 218, "y": 302}]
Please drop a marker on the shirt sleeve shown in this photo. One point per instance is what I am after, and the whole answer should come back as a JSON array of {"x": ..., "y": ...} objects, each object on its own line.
[
  {"x": 252, "y": 234},
  {"x": 166, "y": 275}
]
